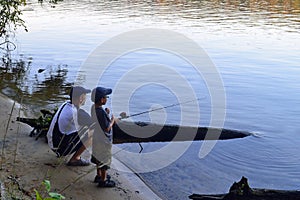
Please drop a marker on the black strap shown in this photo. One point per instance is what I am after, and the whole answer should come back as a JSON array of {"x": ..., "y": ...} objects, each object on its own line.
[
  {"x": 60, "y": 112},
  {"x": 57, "y": 136}
]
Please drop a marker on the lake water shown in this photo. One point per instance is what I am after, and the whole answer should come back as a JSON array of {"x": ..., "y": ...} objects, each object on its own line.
[{"x": 254, "y": 47}]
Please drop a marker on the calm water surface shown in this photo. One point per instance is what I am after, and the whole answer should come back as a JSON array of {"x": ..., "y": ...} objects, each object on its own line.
[{"x": 255, "y": 47}]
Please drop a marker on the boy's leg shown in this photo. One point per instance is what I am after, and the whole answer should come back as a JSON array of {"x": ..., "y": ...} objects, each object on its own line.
[
  {"x": 80, "y": 147},
  {"x": 103, "y": 174},
  {"x": 98, "y": 177},
  {"x": 77, "y": 154},
  {"x": 99, "y": 172},
  {"x": 105, "y": 181},
  {"x": 86, "y": 142}
]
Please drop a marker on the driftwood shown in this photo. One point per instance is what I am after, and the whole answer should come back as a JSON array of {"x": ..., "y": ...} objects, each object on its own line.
[
  {"x": 242, "y": 191},
  {"x": 40, "y": 125},
  {"x": 138, "y": 132}
]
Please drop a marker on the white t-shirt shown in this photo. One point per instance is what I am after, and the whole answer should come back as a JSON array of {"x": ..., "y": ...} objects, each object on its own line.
[{"x": 67, "y": 121}]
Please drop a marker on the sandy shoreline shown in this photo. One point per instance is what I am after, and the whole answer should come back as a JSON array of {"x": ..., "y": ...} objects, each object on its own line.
[{"x": 26, "y": 162}]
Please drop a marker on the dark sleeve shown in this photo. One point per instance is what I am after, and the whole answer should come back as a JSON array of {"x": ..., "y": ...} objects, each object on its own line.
[
  {"x": 84, "y": 119},
  {"x": 102, "y": 119}
]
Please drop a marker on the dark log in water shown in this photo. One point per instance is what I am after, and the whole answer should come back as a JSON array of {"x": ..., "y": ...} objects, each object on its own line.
[
  {"x": 242, "y": 191},
  {"x": 136, "y": 132}
]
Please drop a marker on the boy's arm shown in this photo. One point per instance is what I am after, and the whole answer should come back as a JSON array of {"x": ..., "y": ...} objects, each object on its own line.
[
  {"x": 104, "y": 121},
  {"x": 112, "y": 121}
]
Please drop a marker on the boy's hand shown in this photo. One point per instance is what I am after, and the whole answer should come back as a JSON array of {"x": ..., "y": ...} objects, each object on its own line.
[
  {"x": 113, "y": 120},
  {"x": 123, "y": 115}
]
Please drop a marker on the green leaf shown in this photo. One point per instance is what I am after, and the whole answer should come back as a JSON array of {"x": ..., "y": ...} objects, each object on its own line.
[
  {"x": 56, "y": 196},
  {"x": 47, "y": 185},
  {"x": 37, "y": 195}
]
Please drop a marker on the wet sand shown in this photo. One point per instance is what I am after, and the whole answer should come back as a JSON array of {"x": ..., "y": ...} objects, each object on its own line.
[{"x": 26, "y": 162}]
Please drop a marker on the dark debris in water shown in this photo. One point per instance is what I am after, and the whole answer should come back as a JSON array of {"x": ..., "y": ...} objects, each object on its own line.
[{"x": 242, "y": 191}]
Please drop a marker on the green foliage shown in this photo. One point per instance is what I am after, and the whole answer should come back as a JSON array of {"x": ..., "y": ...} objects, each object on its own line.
[
  {"x": 44, "y": 121},
  {"x": 10, "y": 15},
  {"x": 51, "y": 195}
]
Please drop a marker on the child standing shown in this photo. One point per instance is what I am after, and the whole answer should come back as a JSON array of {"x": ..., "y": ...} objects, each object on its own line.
[{"x": 102, "y": 138}]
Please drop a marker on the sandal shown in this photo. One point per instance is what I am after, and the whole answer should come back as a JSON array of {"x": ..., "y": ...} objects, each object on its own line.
[
  {"x": 107, "y": 183},
  {"x": 79, "y": 162},
  {"x": 98, "y": 179}
]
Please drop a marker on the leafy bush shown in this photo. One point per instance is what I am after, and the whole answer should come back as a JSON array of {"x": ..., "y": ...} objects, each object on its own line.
[{"x": 10, "y": 15}]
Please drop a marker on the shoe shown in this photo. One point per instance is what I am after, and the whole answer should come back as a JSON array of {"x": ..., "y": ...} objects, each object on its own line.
[
  {"x": 107, "y": 183},
  {"x": 79, "y": 162},
  {"x": 98, "y": 179},
  {"x": 95, "y": 161}
]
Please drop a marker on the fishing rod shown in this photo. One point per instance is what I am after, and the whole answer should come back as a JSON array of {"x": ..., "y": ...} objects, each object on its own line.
[{"x": 123, "y": 116}]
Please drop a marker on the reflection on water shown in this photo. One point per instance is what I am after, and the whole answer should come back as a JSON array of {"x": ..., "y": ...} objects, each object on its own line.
[
  {"x": 36, "y": 92},
  {"x": 66, "y": 32}
]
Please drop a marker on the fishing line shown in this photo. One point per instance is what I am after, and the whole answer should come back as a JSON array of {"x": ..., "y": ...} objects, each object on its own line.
[{"x": 156, "y": 109}]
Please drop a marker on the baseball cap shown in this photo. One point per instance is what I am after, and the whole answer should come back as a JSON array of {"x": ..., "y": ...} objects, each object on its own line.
[
  {"x": 76, "y": 91},
  {"x": 100, "y": 92}
]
